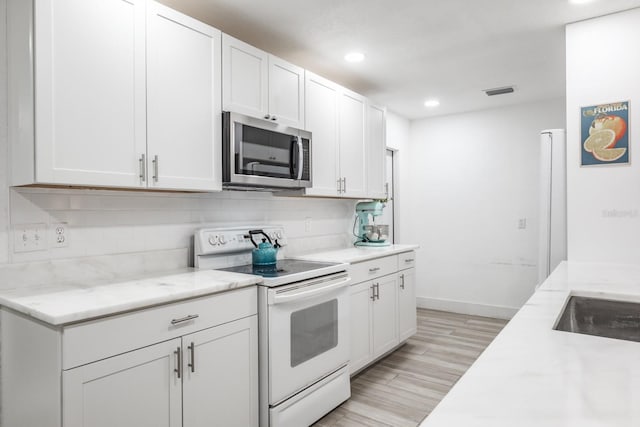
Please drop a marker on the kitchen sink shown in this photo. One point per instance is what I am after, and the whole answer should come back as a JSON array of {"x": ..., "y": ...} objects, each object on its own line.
[{"x": 601, "y": 317}]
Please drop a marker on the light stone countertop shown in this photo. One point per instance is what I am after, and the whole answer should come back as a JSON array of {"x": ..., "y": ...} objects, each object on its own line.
[
  {"x": 531, "y": 375},
  {"x": 67, "y": 302},
  {"x": 356, "y": 254}
]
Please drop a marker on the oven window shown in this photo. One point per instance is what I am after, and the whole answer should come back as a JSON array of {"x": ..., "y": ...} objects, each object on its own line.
[{"x": 314, "y": 331}]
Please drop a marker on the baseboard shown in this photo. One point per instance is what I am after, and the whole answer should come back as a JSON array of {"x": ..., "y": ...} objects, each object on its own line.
[{"x": 463, "y": 307}]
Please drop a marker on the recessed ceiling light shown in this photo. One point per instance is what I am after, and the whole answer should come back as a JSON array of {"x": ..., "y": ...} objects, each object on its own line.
[
  {"x": 580, "y": 1},
  {"x": 431, "y": 103},
  {"x": 354, "y": 57}
]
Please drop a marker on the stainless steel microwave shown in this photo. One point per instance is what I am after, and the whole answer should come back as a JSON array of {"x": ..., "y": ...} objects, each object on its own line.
[{"x": 260, "y": 154}]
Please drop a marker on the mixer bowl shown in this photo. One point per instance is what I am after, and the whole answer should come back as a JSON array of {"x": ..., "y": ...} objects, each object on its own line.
[{"x": 376, "y": 233}]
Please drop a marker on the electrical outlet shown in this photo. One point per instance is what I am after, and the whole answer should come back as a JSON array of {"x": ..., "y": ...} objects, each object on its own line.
[
  {"x": 522, "y": 223},
  {"x": 59, "y": 235},
  {"x": 307, "y": 224},
  {"x": 29, "y": 237}
]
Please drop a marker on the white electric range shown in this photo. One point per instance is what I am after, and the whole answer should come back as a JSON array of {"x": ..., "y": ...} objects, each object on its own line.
[{"x": 303, "y": 323}]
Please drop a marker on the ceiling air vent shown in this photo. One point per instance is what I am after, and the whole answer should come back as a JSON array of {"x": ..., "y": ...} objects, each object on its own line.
[{"x": 499, "y": 91}]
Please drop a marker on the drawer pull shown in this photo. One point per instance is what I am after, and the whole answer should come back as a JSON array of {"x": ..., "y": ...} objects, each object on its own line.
[
  {"x": 184, "y": 319},
  {"x": 409, "y": 260},
  {"x": 373, "y": 270}
]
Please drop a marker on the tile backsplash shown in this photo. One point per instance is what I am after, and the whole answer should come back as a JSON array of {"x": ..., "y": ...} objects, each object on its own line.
[{"x": 104, "y": 222}]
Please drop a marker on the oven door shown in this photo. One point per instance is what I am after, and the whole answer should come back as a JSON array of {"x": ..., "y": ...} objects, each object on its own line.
[{"x": 308, "y": 333}]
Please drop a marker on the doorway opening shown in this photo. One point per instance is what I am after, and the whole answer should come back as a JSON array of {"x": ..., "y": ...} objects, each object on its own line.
[{"x": 388, "y": 215}]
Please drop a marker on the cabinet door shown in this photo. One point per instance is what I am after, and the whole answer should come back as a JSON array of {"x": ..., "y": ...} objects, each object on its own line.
[
  {"x": 385, "y": 315},
  {"x": 376, "y": 156},
  {"x": 321, "y": 118},
  {"x": 352, "y": 144},
  {"x": 90, "y": 91},
  {"x": 244, "y": 78},
  {"x": 135, "y": 389},
  {"x": 221, "y": 375},
  {"x": 286, "y": 92},
  {"x": 361, "y": 305},
  {"x": 407, "y": 316},
  {"x": 184, "y": 108}
]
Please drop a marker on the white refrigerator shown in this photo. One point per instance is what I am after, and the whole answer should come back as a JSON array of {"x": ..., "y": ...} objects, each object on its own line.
[{"x": 553, "y": 202}]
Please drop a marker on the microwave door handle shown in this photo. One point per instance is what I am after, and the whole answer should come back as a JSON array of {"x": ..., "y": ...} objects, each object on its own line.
[
  {"x": 292, "y": 159},
  {"x": 300, "y": 158}
]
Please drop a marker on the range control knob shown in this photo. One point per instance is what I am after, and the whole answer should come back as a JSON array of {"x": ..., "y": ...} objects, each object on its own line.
[
  {"x": 213, "y": 240},
  {"x": 222, "y": 240},
  {"x": 279, "y": 234}
]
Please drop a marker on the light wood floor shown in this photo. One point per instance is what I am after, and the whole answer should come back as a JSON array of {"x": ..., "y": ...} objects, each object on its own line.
[{"x": 404, "y": 387}]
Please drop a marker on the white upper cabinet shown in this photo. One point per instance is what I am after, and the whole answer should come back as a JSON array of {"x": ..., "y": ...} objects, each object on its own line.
[
  {"x": 107, "y": 86},
  {"x": 321, "y": 98},
  {"x": 286, "y": 92},
  {"x": 376, "y": 146},
  {"x": 336, "y": 117},
  {"x": 184, "y": 110},
  {"x": 261, "y": 85},
  {"x": 245, "y": 78},
  {"x": 87, "y": 91},
  {"x": 351, "y": 124}
]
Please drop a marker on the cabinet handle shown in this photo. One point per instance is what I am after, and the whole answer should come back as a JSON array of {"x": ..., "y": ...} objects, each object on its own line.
[
  {"x": 344, "y": 185},
  {"x": 402, "y": 281},
  {"x": 143, "y": 168},
  {"x": 178, "y": 368},
  {"x": 192, "y": 362},
  {"x": 373, "y": 292},
  {"x": 386, "y": 190},
  {"x": 266, "y": 116},
  {"x": 378, "y": 291},
  {"x": 409, "y": 260},
  {"x": 374, "y": 269},
  {"x": 155, "y": 168},
  {"x": 274, "y": 118},
  {"x": 184, "y": 319},
  {"x": 340, "y": 185}
]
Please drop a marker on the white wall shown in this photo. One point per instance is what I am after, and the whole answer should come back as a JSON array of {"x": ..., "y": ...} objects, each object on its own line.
[
  {"x": 473, "y": 176},
  {"x": 603, "y": 65}
]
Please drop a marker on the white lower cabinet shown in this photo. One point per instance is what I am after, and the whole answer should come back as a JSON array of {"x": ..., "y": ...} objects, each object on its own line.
[
  {"x": 383, "y": 308},
  {"x": 385, "y": 314},
  {"x": 361, "y": 313},
  {"x": 407, "y": 321},
  {"x": 193, "y": 363},
  {"x": 135, "y": 389},
  {"x": 221, "y": 377}
]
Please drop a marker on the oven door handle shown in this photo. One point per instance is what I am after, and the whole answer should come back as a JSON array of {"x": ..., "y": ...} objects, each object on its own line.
[{"x": 309, "y": 293}]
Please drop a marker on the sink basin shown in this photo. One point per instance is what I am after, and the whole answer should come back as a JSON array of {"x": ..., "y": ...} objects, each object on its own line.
[{"x": 601, "y": 317}]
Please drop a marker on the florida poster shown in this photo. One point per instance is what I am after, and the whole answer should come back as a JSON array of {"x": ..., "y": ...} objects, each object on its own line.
[{"x": 605, "y": 134}]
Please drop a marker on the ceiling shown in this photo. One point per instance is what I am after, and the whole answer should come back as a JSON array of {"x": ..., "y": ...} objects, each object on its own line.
[{"x": 415, "y": 49}]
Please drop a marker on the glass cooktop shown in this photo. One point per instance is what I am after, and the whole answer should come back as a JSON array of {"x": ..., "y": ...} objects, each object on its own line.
[{"x": 284, "y": 267}]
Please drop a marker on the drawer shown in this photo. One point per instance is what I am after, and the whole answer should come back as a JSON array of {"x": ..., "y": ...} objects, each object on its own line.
[
  {"x": 368, "y": 270},
  {"x": 97, "y": 339},
  {"x": 406, "y": 260}
]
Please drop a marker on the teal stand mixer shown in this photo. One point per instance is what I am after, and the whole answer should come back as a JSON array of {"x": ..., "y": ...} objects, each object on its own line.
[{"x": 369, "y": 233}]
